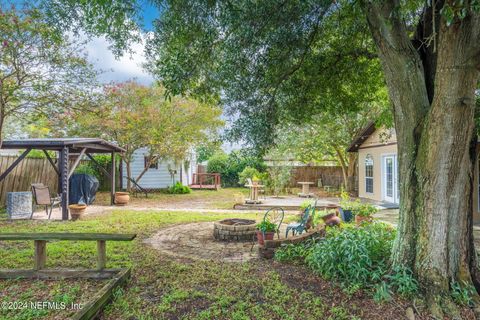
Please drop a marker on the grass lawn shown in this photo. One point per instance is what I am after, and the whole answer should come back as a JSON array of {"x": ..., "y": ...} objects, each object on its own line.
[
  {"x": 224, "y": 198},
  {"x": 165, "y": 288}
]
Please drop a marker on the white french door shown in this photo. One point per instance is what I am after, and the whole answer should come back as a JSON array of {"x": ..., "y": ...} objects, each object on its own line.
[{"x": 390, "y": 179}]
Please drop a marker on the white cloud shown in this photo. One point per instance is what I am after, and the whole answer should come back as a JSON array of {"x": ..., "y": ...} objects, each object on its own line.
[{"x": 127, "y": 67}]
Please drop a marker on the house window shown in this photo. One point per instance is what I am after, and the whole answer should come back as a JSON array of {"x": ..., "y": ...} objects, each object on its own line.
[
  {"x": 153, "y": 165},
  {"x": 369, "y": 174}
]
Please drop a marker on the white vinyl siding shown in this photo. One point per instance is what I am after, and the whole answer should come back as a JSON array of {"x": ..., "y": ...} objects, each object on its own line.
[{"x": 160, "y": 177}]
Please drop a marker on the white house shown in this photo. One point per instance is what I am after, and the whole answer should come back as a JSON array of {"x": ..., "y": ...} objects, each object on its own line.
[{"x": 162, "y": 174}]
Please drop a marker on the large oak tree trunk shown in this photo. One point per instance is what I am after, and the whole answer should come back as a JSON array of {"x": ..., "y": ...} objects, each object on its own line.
[{"x": 433, "y": 98}]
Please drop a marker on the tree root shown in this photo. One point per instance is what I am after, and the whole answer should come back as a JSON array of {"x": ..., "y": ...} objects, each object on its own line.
[{"x": 441, "y": 306}]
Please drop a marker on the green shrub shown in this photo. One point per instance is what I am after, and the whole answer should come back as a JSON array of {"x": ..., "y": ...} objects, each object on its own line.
[
  {"x": 305, "y": 204},
  {"x": 247, "y": 173},
  {"x": 402, "y": 280},
  {"x": 231, "y": 165},
  {"x": 353, "y": 256},
  {"x": 294, "y": 252},
  {"x": 179, "y": 188},
  {"x": 365, "y": 210},
  {"x": 87, "y": 169}
]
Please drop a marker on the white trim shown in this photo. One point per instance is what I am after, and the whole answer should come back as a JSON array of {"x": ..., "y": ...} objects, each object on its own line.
[
  {"x": 365, "y": 174},
  {"x": 395, "y": 190}
]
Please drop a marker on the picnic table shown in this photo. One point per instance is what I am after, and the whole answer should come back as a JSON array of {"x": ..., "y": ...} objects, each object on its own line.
[{"x": 305, "y": 189}]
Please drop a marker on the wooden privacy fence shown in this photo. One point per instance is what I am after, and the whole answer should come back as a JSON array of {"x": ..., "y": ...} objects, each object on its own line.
[
  {"x": 330, "y": 175},
  {"x": 28, "y": 171}
]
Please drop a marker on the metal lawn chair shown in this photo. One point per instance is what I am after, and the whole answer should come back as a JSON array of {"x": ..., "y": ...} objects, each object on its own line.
[
  {"x": 42, "y": 197},
  {"x": 275, "y": 215},
  {"x": 300, "y": 227}
]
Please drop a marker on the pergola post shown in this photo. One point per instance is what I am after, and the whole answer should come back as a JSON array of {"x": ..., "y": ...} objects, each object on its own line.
[
  {"x": 63, "y": 181},
  {"x": 112, "y": 180}
]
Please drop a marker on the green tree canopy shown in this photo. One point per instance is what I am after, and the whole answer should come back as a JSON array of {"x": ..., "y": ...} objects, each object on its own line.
[
  {"x": 42, "y": 72},
  {"x": 267, "y": 61},
  {"x": 137, "y": 116}
]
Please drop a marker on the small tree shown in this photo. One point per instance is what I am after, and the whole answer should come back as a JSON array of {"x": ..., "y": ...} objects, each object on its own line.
[
  {"x": 279, "y": 178},
  {"x": 137, "y": 116},
  {"x": 327, "y": 137},
  {"x": 41, "y": 71}
]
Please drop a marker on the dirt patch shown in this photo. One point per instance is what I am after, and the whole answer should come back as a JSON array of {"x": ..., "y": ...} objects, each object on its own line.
[
  {"x": 196, "y": 241},
  {"x": 32, "y": 299}
]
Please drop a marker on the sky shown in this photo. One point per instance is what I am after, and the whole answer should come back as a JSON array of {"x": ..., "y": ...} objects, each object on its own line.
[{"x": 128, "y": 67}]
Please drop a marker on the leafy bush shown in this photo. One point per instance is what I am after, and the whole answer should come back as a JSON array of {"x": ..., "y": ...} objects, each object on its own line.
[
  {"x": 359, "y": 259},
  {"x": 247, "y": 173},
  {"x": 346, "y": 202},
  {"x": 231, "y": 165},
  {"x": 294, "y": 252},
  {"x": 365, "y": 210},
  {"x": 357, "y": 207},
  {"x": 354, "y": 256},
  {"x": 87, "y": 169},
  {"x": 305, "y": 204},
  {"x": 39, "y": 154},
  {"x": 402, "y": 280},
  {"x": 218, "y": 163},
  {"x": 179, "y": 188}
]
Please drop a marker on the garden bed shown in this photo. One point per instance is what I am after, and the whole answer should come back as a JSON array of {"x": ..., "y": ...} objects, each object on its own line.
[{"x": 267, "y": 251}]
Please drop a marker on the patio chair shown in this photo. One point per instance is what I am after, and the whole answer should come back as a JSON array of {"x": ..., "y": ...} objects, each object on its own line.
[
  {"x": 137, "y": 187},
  {"x": 42, "y": 197},
  {"x": 275, "y": 215},
  {"x": 299, "y": 227}
]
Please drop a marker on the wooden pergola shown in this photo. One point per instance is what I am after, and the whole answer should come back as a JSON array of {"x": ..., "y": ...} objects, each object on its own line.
[{"x": 66, "y": 147}]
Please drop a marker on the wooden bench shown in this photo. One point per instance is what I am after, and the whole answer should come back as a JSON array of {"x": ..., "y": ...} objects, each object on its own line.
[
  {"x": 117, "y": 276},
  {"x": 40, "y": 256}
]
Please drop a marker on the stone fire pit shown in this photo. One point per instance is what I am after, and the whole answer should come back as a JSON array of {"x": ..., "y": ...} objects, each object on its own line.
[{"x": 234, "y": 230}]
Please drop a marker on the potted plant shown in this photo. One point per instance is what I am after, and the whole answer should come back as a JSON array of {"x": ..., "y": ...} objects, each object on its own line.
[
  {"x": 364, "y": 212},
  {"x": 122, "y": 198},
  {"x": 329, "y": 217},
  {"x": 77, "y": 210},
  {"x": 348, "y": 206},
  {"x": 265, "y": 231}
]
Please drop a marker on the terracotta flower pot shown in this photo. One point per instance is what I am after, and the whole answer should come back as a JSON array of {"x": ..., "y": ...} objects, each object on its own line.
[
  {"x": 77, "y": 210},
  {"x": 261, "y": 236},
  {"x": 360, "y": 219},
  {"x": 122, "y": 198},
  {"x": 331, "y": 219}
]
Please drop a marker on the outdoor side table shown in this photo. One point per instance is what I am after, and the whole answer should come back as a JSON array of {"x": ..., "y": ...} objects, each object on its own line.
[
  {"x": 254, "y": 194},
  {"x": 19, "y": 205},
  {"x": 305, "y": 189}
]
